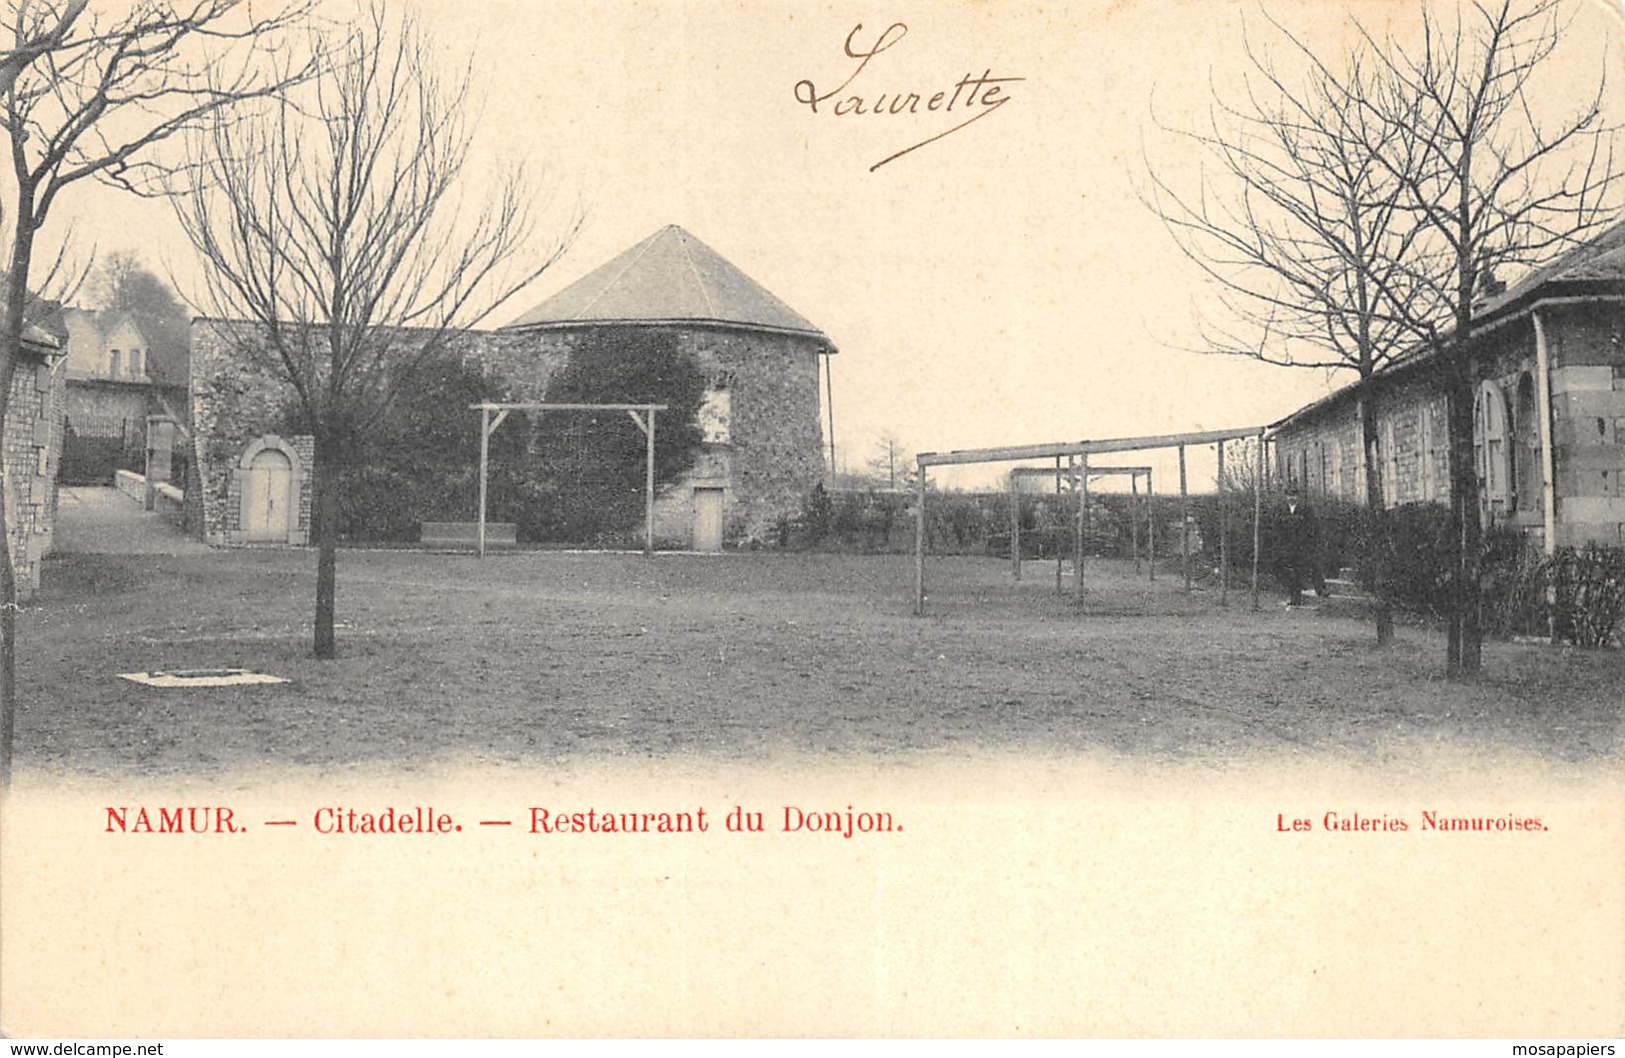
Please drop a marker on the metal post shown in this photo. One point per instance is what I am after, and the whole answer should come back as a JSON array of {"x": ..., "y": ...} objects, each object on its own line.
[
  {"x": 1059, "y": 558},
  {"x": 1184, "y": 523},
  {"x": 649, "y": 490},
  {"x": 919, "y": 538},
  {"x": 1224, "y": 536},
  {"x": 1083, "y": 519},
  {"x": 1258, "y": 513},
  {"x": 1015, "y": 527},
  {"x": 485, "y": 461},
  {"x": 1150, "y": 527},
  {"x": 829, "y": 409},
  {"x": 1134, "y": 520}
]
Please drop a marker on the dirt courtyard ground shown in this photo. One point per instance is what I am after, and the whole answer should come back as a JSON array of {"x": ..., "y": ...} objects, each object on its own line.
[
  {"x": 1097, "y": 808},
  {"x": 548, "y": 656}
]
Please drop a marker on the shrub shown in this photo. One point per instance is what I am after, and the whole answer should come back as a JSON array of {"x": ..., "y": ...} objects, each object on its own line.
[
  {"x": 1414, "y": 548},
  {"x": 1588, "y": 593},
  {"x": 817, "y": 515},
  {"x": 596, "y": 460}
]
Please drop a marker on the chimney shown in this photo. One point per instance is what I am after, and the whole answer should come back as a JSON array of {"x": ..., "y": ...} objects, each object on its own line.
[{"x": 1488, "y": 287}]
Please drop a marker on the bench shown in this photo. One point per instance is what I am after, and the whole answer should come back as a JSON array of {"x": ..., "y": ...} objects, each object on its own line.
[{"x": 467, "y": 534}]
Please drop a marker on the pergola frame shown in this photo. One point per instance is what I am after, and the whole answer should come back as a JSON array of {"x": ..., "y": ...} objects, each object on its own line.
[
  {"x": 643, "y": 415},
  {"x": 1082, "y": 450},
  {"x": 1081, "y": 531}
]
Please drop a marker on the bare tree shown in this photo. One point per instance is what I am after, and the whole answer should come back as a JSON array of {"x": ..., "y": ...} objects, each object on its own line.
[
  {"x": 332, "y": 230},
  {"x": 1377, "y": 195},
  {"x": 91, "y": 96},
  {"x": 891, "y": 462},
  {"x": 1314, "y": 260},
  {"x": 1495, "y": 185},
  {"x": 35, "y": 34}
]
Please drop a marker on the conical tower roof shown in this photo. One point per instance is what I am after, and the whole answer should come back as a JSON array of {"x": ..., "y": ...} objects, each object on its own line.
[{"x": 670, "y": 277}]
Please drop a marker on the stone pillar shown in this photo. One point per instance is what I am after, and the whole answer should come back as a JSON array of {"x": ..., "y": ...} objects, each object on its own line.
[{"x": 160, "y": 456}]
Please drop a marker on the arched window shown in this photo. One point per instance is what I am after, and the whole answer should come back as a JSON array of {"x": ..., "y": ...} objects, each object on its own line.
[
  {"x": 1526, "y": 424},
  {"x": 1490, "y": 451}
]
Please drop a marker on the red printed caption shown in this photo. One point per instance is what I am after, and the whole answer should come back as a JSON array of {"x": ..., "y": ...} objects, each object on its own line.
[
  {"x": 846, "y": 822},
  {"x": 1430, "y": 820}
]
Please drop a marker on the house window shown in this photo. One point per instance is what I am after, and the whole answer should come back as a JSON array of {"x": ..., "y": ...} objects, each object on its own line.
[
  {"x": 1337, "y": 469},
  {"x": 1527, "y": 426},
  {"x": 1425, "y": 449},
  {"x": 112, "y": 363},
  {"x": 1490, "y": 451},
  {"x": 1390, "y": 465},
  {"x": 1359, "y": 467},
  {"x": 135, "y": 363}
]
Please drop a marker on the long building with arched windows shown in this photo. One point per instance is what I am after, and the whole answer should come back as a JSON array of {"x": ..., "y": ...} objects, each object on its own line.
[{"x": 1549, "y": 411}]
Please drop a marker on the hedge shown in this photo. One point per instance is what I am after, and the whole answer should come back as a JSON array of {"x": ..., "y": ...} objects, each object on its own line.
[{"x": 1579, "y": 593}]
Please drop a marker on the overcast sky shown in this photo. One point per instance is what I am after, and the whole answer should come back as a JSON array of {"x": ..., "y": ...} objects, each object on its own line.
[{"x": 1001, "y": 285}]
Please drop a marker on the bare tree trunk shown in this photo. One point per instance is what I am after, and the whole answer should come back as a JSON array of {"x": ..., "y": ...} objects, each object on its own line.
[
  {"x": 1467, "y": 538},
  {"x": 22, "y": 253},
  {"x": 327, "y": 510},
  {"x": 8, "y": 633},
  {"x": 1376, "y": 537}
]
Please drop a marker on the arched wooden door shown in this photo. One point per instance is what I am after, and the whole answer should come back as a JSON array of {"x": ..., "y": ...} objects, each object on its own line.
[{"x": 267, "y": 510}]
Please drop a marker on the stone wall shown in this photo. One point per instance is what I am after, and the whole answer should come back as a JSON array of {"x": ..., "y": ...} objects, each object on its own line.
[
  {"x": 773, "y": 455},
  {"x": 32, "y": 443},
  {"x": 100, "y": 407},
  {"x": 234, "y": 404},
  {"x": 772, "y": 458},
  {"x": 1588, "y": 422}
]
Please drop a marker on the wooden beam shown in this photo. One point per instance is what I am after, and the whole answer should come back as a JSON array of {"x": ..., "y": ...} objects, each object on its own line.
[
  {"x": 1083, "y": 518},
  {"x": 1134, "y": 521},
  {"x": 1015, "y": 529},
  {"x": 1013, "y": 453},
  {"x": 649, "y": 488},
  {"x": 919, "y": 538},
  {"x": 1224, "y": 536},
  {"x": 1258, "y": 512},
  {"x": 488, "y": 426},
  {"x": 1184, "y": 523},
  {"x": 1058, "y": 557},
  {"x": 1150, "y": 528},
  {"x": 829, "y": 412},
  {"x": 493, "y": 406},
  {"x": 485, "y": 462},
  {"x": 1094, "y": 472}
]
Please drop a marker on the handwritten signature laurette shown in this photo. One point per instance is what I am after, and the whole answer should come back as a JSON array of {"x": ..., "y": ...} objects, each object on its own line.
[{"x": 976, "y": 96}]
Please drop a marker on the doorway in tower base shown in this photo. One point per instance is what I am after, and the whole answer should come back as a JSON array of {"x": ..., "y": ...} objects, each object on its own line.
[{"x": 708, "y": 507}]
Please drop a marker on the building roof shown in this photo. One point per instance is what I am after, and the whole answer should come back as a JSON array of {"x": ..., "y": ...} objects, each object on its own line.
[
  {"x": 38, "y": 340},
  {"x": 1595, "y": 268},
  {"x": 670, "y": 277}
]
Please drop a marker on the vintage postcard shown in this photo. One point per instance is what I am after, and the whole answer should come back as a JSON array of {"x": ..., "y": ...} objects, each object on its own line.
[{"x": 694, "y": 519}]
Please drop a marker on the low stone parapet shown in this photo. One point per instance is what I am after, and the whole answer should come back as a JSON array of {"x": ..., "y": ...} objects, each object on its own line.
[{"x": 131, "y": 484}]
